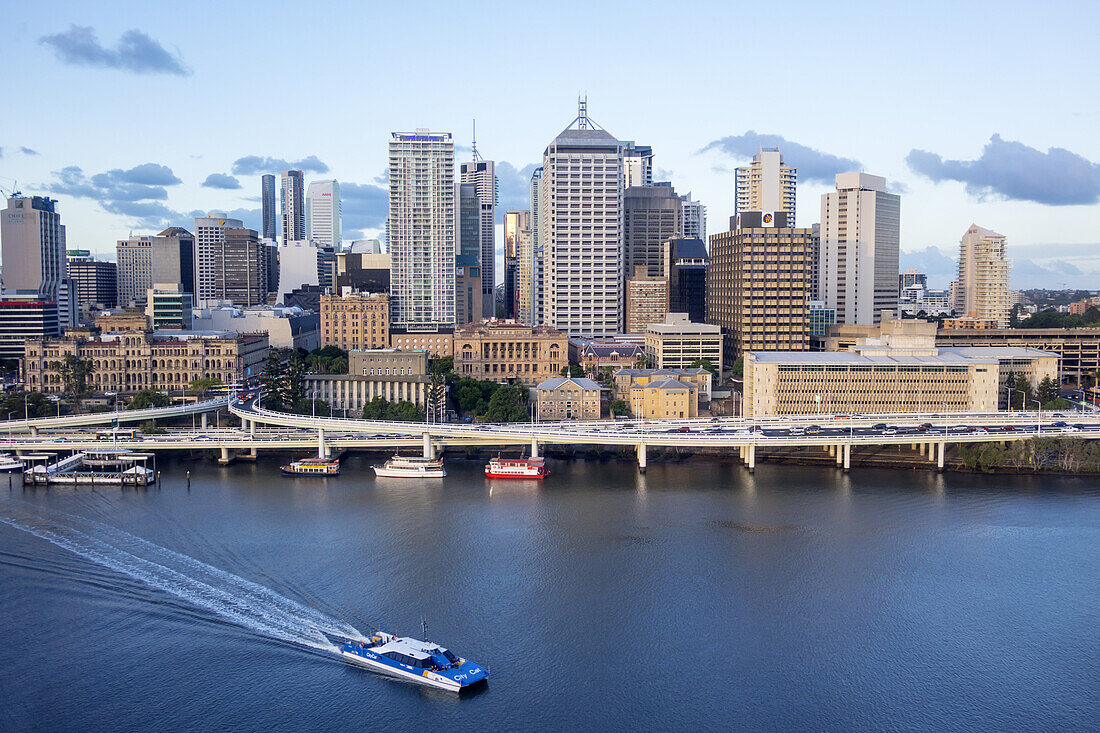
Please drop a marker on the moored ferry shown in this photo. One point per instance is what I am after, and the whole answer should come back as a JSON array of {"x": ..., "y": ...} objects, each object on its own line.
[
  {"x": 313, "y": 467},
  {"x": 520, "y": 468},
  {"x": 9, "y": 463},
  {"x": 414, "y": 660},
  {"x": 411, "y": 467}
]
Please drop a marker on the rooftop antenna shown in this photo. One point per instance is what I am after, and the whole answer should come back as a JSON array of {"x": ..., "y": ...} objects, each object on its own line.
[
  {"x": 477, "y": 156},
  {"x": 582, "y": 112}
]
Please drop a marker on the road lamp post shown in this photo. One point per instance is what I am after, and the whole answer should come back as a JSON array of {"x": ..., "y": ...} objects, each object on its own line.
[
  {"x": 10, "y": 439},
  {"x": 1039, "y": 425}
]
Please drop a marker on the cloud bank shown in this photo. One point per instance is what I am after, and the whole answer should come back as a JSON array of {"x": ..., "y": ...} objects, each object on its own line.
[
  {"x": 136, "y": 52},
  {"x": 1011, "y": 170},
  {"x": 222, "y": 181},
  {"x": 812, "y": 164},
  {"x": 251, "y": 165}
]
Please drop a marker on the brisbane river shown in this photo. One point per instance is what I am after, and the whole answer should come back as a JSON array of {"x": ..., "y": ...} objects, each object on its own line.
[{"x": 694, "y": 597}]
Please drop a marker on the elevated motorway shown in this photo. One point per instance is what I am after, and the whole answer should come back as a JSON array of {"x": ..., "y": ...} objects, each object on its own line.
[{"x": 35, "y": 424}]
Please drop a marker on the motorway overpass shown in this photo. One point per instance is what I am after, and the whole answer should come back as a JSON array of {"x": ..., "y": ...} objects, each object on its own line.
[{"x": 35, "y": 424}]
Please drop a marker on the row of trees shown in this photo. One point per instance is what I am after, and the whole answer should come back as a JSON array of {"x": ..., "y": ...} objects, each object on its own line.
[
  {"x": 1048, "y": 393},
  {"x": 1056, "y": 319},
  {"x": 1069, "y": 455}
]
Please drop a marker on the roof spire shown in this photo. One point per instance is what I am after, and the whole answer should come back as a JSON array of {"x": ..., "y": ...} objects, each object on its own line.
[
  {"x": 473, "y": 144},
  {"x": 582, "y": 112}
]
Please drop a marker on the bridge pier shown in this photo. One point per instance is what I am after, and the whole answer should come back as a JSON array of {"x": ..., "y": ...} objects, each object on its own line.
[
  {"x": 940, "y": 454},
  {"x": 847, "y": 456},
  {"x": 838, "y": 452},
  {"x": 322, "y": 449},
  {"x": 34, "y": 431},
  {"x": 204, "y": 421},
  {"x": 534, "y": 448},
  {"x": 429, "y": 452},
  {"x": 226, "y": 457},
  {"x": 252, "y": 428},
  {"x": 742, "y": 452},
  {"x": 641, "y": 457},
  {"x": 750, "y": 455}
]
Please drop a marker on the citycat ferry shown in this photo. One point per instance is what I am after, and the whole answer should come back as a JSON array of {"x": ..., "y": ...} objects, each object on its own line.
[{"x": 414, "y": 660}]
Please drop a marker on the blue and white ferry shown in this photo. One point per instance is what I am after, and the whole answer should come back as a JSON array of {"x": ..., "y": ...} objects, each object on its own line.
[{"x": 418, "y": 661}]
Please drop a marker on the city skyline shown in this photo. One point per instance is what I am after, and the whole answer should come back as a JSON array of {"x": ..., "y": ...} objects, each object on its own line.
[{"x": 1002, "y": 163}]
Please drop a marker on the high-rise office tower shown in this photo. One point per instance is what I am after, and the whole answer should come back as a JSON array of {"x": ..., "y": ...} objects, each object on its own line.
[
  {"x": 652, "y": 215},
  {"x": 637, "y": 164},
  {"x": 482, "y": 173},
  {"x": 860, "y": 248},
  {"x": 685, "y": 268},
  {"x": 468, "y": 282},
  {"x": 695, "y": 219},
  {"x": 517, "y": 227},
  {"x": 96, "y": 280},
  {"x": 32, "y": 239},
  {"x": 645, "y": 300},
  {"x": 910, "y": 278},
  {"x": 757, "y": 284},
  {"x": 323, "y": 213},
  {"x": 422, "y": 231},
  {"x": 534, "y": 263},
  {"x": 815, "y": 263},
  {"x": 982, "y": 290},
  {"x": 766, "y": 184},
  {"x": 580, "y": 229},
  {"x": 230, "y": 262},
  {"x": 271, "y": 221},
  {"x": 143, "y": 261},
  {"x": 294, "y": 210}
]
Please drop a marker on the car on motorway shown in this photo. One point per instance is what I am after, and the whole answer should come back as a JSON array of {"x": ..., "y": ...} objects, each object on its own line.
[
  {"x": 1008, "y": 427},
  {"x": 799, "y": 430},
  {"x": 813, "y": 430},
  {"x": 682, "y": 429},
  {"x": 1059, "y": 424},
  {"x": 981, "y": 431},
  {"x": 1070, "y": 429},
  {"x": 890, "y": 431},
  {"x": 879, "y": 426},
  {"x": 203, "y": 437}
]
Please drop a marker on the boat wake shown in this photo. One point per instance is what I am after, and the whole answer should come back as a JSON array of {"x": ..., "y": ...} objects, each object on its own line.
[{"x": 224, "y": 594}]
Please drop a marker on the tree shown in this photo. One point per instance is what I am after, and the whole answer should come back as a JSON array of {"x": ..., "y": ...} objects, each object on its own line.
[
  {"x": 508, "y": 404},
  {"x": 148, "y": 398},
  {"x": 738, "y": 367},
  {"x": 74, "y": 378},
  {"x": 380, "y": 409},
  {"x": 283, "y": 379},
  {"x": 640, "y": 361},
  {"x": 573, "y": 370},
  {"x": 436, "y": 397},
  {"x": 618, "y": 407},
  {"x": 1020, "y": 394},
  {"x": 201, "y": 387},
  {"x": 327, "y": 360},
  {"x": 705, "y": 364},
  {"x": 443, "y": 366},
  {"x": 30, "y": 404},
  {"x": 306, "y": 406},
  {"x": 1049, "y": 390}
]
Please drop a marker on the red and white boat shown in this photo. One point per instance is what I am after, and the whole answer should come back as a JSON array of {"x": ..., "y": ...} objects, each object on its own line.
[{"x": 521, "y": 468}]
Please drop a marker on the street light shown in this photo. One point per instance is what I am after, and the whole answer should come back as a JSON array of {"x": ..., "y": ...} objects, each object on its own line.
[{"x": 1039, "y": 425}]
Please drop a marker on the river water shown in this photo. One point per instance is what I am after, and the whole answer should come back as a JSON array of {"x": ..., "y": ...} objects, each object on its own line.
[{"x": 695, "y": 597}]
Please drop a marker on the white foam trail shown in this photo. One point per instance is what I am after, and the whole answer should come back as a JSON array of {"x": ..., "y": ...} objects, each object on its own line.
[{"x": 226, "y": 595}]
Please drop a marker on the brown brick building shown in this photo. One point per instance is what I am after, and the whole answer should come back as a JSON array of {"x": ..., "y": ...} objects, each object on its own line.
[
  {"x": 357, "y": 321},
  {"x": 506, "y": 351}
]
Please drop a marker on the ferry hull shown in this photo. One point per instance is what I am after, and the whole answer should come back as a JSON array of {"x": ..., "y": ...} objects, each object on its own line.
[
  {"x": 384, "y": 472},
  {"x": 434, "y": 680},
  {"x": 520, "y": 476}
]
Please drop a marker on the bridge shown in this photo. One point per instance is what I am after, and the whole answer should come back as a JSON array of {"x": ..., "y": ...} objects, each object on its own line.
[
  {"x": 35, "y": 424},
  {"x": 263, "y": 429}
]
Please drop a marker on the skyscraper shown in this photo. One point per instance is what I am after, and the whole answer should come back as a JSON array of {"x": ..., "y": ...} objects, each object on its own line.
[
  {"x": 517, "y": 234},
  {"x": 757, "y": 284},
  {"x": 422, "y": 231},
  {"x": 270, "y": 223},
  {"x": 468, "y": 283},
  {"x": 96, "y": 280},
  {"x": 32, "y": 239},
  {"x": 580, "y": 229},
  {"x": 143, "y": 261},
  {"x": 766, "y": 184},
  {"x": 685, "y": 268},
  {"x": 695, "y": 219},
  {"x": 652, "y": 215},
  {"x": 323, "y": 213},
  {"x": 982, "y": 290},
  {"x": 859, "y": 250},
  {"x": 533, "y": 260},
  {"x": 637, "y": 165},
  {"x": 294, "y": 211},
  {"x": 482, "y": 173},
  {"x": 230, "y": 262}
]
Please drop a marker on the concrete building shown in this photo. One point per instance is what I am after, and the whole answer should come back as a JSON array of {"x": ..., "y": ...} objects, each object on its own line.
[
  {"x": 436, "y": 344},
  {"x": 819, "y": 318},
  {"x": 168, "y": 257},
  {"x": 422, "y": 237},
  {"x": 532, "y": 257},
  {"x": 167, "y": 361},
  {"x": 482, "y": 173},
  {"x": 323, "y": 212},
  {"x": 351, "y": 392},
  {"x": 286, "y": 328},
  {"x": 637, "y": 165},
  {"x": 96, "y": 282},
  {"x": 685, "y": 265},
  {"x": 355, "y": 321},
  {"x": 911, "y": 277},
  {"x": 695, "y": 219},
  {"x": 664, "y": 399},
  {"x": 230, "y": 262},
  {"x": 167, "y": 307},
  {"x": 301, "y": 263},
  {"x": 982, "y": 290},
  {"x": 702, "y": 380},
  {"x": 1078, "y": 348},
  {"x": 292, "y": 198},
  {"x": 757, "y": 286},
  {"x": 858, "y": 261},
  {"x": 766, "y": 184},
  {"x": 121, "y": 320},
  {"x": 32, "y": 240},
  {"x": 652, "y": 215},
  {"x": 387, "y": 362},
  {"x": 362, "y": 271},
  {"x": 580, "y": 230},
  {"x": 469, "y": 286},
  {"x": 568, "y": 398},
  {"x": 900, "y": 370},
  {"x": 646, "y": 299},
  {"x": 508, "y": 351},
  {"x": 972, "y": 323},
  {"x": 677, "y": 342},
  {"x": 517, "y": 281},
  {"x": 270, "y": 217},
  {"x": 25, "y": 315}
]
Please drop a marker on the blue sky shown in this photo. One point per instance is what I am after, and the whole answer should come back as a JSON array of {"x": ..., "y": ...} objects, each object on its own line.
[{"x": 974, "y": 112}]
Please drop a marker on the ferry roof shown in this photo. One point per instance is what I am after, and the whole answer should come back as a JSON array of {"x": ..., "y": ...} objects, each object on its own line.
[{"x": 405, "y": 645}]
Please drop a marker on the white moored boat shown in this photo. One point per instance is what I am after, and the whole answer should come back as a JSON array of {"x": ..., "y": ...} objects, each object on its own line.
[
  {"x": 9, "y": 463},
  {"x": 411, "y": 467}
]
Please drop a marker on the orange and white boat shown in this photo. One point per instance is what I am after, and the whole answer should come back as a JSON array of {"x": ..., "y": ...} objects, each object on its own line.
[{"x": 521, "y": 468}]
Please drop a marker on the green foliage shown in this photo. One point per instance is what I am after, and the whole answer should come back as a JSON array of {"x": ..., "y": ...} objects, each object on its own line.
[
  {"x": 1067, "y": 455},
  {"x": 436, "y": 397},
  {"x": 1048, "y": 390},
  {"x": 148, "y": 398},
  {"x": 150, "y": 427},
  {"x": 443, "y": 366},
  {"x": 1055, "y": 319},
  {"x": 508, "y": 404},
  {"x": 738, "y": 367},
  {"x": 1021, "y": 394},
  {"x": 619, "y": 407},
  {"x": 473, "y": 395},
  {"x": 380, "y": 409},
  {"x": 327, "y": 360},
  {"x": 573, "y": 370},
  {"x": 1059, "y": 403},
  {"x": 705, "y": 364},
  {"x": 201, "y": 387},
  {"x": 36, "y": 405},
  {"x": 74, "y": 377},
  {"x": 306, "y": 406},
  {"x": 283, "y": 379}
]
